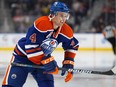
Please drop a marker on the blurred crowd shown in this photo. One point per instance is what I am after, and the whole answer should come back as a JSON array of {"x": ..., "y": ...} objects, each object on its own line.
[
  {"x": 24, "y": 12},
  {"x": 106, "y": 18}
]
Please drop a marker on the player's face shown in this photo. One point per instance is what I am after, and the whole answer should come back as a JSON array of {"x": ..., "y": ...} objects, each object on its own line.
[{"x": 61, "y": 18}]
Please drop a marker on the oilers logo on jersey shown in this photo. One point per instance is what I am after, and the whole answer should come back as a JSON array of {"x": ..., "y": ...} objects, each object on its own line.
[
  {"x": 53, "y": 43},
  {"x": 49, "y": 45},
  {"x": 50, "y": 42}
]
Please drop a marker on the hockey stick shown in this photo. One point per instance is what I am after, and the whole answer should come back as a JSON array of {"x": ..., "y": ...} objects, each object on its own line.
[{"x": 110, "y": 72}]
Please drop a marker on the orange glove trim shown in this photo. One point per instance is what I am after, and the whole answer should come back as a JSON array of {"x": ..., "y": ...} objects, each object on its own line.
[
  {"x": 54, "y": 72},
  {"x": 68, "y": 62},
  {"x": 68, "y": 77},
  {"x": 47, "y": 60}
]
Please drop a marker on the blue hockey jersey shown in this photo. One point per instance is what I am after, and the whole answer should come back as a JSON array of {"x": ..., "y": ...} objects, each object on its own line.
[{"x": 42, "y": 29}]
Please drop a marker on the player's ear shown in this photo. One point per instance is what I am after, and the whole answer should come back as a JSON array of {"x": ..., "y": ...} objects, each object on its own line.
[{"x": 51, "y": 16}]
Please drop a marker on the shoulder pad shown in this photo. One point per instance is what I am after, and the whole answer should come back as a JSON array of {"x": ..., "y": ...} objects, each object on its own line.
[
  {"x": 43, "y": 24},
  {"x": 67, "y": 31}
]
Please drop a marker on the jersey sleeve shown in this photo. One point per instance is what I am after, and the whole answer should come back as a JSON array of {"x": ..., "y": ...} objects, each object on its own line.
[
  {"x": 70, "y": 48},
  {"x": 70, "y": 43}
]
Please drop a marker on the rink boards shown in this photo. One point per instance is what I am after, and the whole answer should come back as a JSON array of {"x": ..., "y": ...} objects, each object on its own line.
[{"x": 86, "y": 41}]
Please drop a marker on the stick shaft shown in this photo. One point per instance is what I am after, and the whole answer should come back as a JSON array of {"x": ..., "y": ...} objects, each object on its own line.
[{"x": 110, "y": 72}]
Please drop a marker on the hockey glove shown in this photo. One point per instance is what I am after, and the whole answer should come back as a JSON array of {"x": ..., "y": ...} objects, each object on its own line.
[
  {"x": 48, "y": 46},
  {"x": 68, "y": 63},
  {"x": 50, "y": 65}
]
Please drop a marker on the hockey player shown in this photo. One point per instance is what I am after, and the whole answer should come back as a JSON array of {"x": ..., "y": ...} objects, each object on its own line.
[
  {"x": 109, "y": 33},
  {"x": 36, "y": 48}
]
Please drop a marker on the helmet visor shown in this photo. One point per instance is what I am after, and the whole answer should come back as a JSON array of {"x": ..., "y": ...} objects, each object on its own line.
[{"x": 63, "y": 15}]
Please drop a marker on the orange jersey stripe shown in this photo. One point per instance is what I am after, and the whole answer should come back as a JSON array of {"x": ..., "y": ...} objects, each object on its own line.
[
  {"x": 19, "y": 53},
  {"x": 7, "y": 72},
  {"x": 33, "y": 50},
  {"x": 69, "y": 55},
  {"x": 57, "y": 32},
  {"x": 36, "y": 59}
]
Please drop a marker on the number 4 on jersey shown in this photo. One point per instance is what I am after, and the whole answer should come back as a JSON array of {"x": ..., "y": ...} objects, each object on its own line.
[{"x": 33, "y": 38}]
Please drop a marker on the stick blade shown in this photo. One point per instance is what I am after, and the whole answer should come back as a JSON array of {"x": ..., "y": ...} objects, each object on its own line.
[{"x": 108, "y": 73}]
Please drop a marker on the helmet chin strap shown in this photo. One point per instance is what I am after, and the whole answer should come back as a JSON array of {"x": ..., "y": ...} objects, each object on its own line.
[{"x": 51, "y": 16}]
